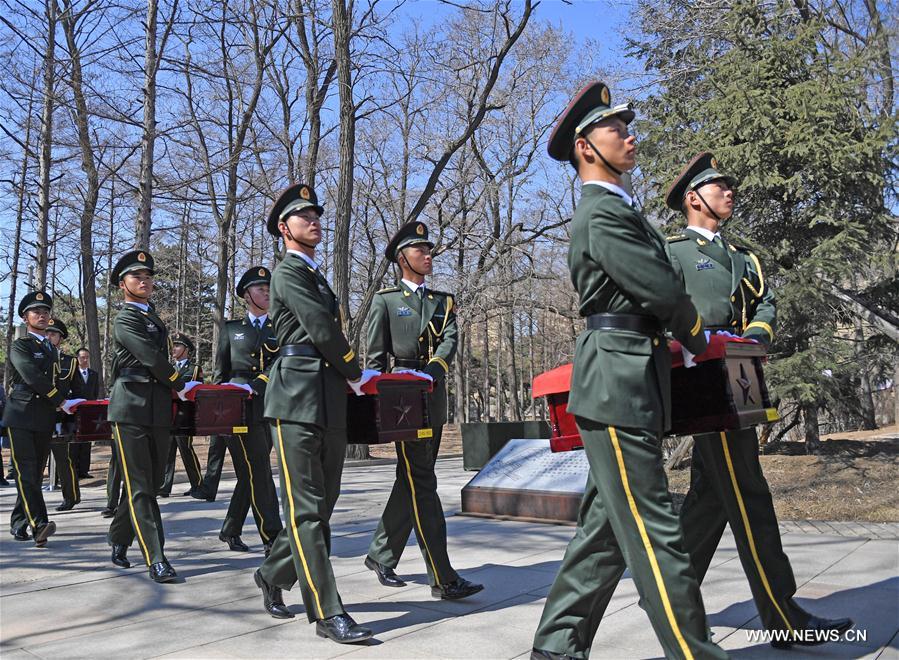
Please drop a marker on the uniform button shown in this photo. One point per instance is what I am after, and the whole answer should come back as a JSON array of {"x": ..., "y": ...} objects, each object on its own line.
[
  {"x": 327, "y": 364},
  {"x": 655, "y": 341},
  {"x": 733, "y": 299},
  {"x": 734, "y": 323},
  {"x": 255, "y": 368},
  {"x": 421, "y": 339},
  {"x": 336, "y": 320}
]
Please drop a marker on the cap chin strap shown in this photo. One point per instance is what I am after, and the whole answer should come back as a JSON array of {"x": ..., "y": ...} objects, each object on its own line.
[
  {"x": 295, "y": 240},
  {"x": 134, "y": 295},
  {"x": 699, "y": 194},
  {"x": 601, "y": 157},
  {"x": 253, "y": 300},
  {"x": 409, "y": 265}
]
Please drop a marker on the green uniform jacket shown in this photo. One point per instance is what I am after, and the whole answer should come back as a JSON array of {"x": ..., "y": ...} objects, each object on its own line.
[
  {"x": 34, "y": 395},
  {"x": 727, "y": 284},
  {"x": 409, "y": 328},
  {"x": 141, "y": 340},
  {"x": 190, "y": 371},
  {"x": 304, "y": 310},
  {"x": 245, "y": 355},
  {"x": 618, "y": 264},
  {"x": 64, "y": 374}
]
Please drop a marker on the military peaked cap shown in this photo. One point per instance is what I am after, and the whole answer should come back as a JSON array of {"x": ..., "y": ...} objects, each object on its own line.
[
  {"x": 592, "y": 104},
  {"x": 181, "y": 338},
  {"x": 701, "y": 170},
  {"x": 254, "y": 275},
  {"x": 131, "y": 261},
  {"x": 411, "y": 233},
  {"x": 56, "y": 325},
  {"x": 294, "y": 198},
  {"x": 35, "y": 299}
]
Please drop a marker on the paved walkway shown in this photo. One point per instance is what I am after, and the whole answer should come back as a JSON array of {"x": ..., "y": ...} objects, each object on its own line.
[{"x": 68, "y": 601}]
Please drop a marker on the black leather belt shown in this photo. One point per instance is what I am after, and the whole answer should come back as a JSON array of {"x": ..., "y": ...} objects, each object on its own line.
[
  {"x": 645, "y": 325},
  {"x": 22, "y": 387},
  {"x": 136, "y": 371},
  {"x": 302, "y": 350},
  {"x": 409, "y": 363}
]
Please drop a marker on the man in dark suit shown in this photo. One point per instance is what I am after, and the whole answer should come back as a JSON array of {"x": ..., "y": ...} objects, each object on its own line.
[{"x": 85, "y": 385}]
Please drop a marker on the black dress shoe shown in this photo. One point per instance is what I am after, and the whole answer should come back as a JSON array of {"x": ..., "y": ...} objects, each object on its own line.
[
  {"x": 386, "y": 575},
  {"x": 43, "y": 532},
  {"x": 456, "y": 590},
  {"x": 86, "y": 475},
  {"x": 162, "y": 494},
  {"x": 271, "y": 598},
  {"x": 66, "y": 506},
  {"x": 4, "y": 483},
  {"x": 815, "y": 632},
  {"x": 187, "y": 492},
  {"x": 108, "y": 513},
  {"x": 540, "y": 654},
  {"x": 162, "y": 572},
  {"x": 200, "y": 494},
  {"x": 342, "y": 629},
  {"x": 234, "y": 543},
  {"x": 20, "y": 534},
  {"x": 119, "y": 557}
]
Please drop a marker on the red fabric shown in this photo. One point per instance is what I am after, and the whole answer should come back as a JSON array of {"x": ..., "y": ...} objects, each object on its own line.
[
  {"x": 558, "y": 380},
  {"x": 371, "y": 387},
  {"x": 91, "y": 402},
  {"x": 210, "y": 387}
]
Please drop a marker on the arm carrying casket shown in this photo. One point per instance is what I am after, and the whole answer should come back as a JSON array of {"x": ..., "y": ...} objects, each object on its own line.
[
  {"x": 210, "y": 410},
  {"x": 725, "y": 390},
  {"x": 394, "y": 409}
]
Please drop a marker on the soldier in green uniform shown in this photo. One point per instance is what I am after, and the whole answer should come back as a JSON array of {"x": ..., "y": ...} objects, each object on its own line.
[
  {"x": 620, "y": 396},
  {"x": 726, "y": 481},
  {"x": 417, "y": 326},
  {"x": 247, "y": 348},
  {"x": 30, "y": 417},
  {"x": 182, "y": 352},
  {"x": 140, "y": 410},
  {"x": 305, "y": 404},
  {"x": 66, "y": 473}
]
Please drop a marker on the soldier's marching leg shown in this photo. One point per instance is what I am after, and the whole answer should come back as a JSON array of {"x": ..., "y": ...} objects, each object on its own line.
[
  {"x": 627, "y": 471},
  {"x": 702, "y": 516},
  {"x": 255, "y": 487},
  {"x": 26, "y": 449},
  {"x": 113, "y": 485},
  {"x": 168, "y": 477},
  {"x": 67, "y": 475},
  {"x": 141, "y": 454},
  {"x": 191, "y": 461},
  {"x": 215, "y": 459},
  {"x": 300, "y": 552},
  {"x": 731, "y": 462}
]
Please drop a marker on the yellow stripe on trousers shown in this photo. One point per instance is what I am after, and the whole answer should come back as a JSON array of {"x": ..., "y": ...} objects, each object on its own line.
[
  {"x": 749, "y": 537},
  {"x": 12, "y": 455},
  {"x": 421, "y": 532},
  {"x": 75, "y": 490},
  {"x": 253, "y": 491},
  {"x": 656, "y": 571},
  {"x": 293, "y": 522},
  {"x": 140, "y": 537}
]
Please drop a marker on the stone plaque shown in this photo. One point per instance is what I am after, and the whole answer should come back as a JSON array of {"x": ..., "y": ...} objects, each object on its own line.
[{"x": 527, "y": 480}]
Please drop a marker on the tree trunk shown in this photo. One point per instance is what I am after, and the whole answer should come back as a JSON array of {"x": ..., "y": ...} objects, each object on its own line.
[
  {"x": 46, "y": 140},
  {"x": 91, "y": 193},
  {"x": 865, "y": 396},
  {"x": 343, "y": 207},
  {"x": 148, "y": 138},
  {"x": 810, "y": 426}
]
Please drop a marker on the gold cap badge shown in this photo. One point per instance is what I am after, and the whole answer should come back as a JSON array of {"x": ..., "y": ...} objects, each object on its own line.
[
  {"x": 714, "y": 163},
  {"x": 604, "y": 96},
  {"x": 51, "y": 322},
  {"x": 420, "y": 229},
  {"x": 141, "y": 257},
  {"x": 39, "y": 296},
  {"x": 262, "y": 272},
  {"x": 304, "y": 192}
]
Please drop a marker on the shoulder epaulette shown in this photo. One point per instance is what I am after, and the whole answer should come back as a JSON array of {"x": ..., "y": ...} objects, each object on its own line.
[
  {"x": 677, "y": 238},
  {"x": 389, "y": 289}
]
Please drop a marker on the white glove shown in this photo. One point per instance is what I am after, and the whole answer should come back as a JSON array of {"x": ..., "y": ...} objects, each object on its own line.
[
  {"x": 68, "y": 404},
  {"x": 367, "y": 375},
  {"x": 415, "y": 372},
  {"x": 688, "y": 356},
  {"x": 243, "y": 386},
  {"x": 187, "y": 388},
  {"x": 727, "y": 334},
  {"x": 59, "y": 429}
]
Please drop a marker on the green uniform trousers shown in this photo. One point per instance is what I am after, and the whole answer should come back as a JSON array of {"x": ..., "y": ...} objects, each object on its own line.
[
  {"x": 255, "y": 489},
  {"x": 414, "y": 504},
  {"x": 66, "y": 471},
  {"x": 311, "y": 460},
  {"x": 28, "y": 452},
  {"x": 185, "y": 445},
  {"x": 727, "y": 486},
  {"x": 626, "y": 520},
  {"x": 142, "y": 452},
  {"x": 113, "y": 479},
  {"x": 215, "y": 460}
]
